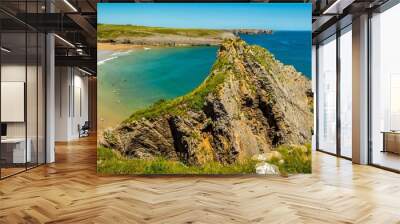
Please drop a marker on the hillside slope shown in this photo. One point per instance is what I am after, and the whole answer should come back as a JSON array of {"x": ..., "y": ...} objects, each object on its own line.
[
  {"x": 249, "y": 104},
  {"x": 159, "y": 36}
]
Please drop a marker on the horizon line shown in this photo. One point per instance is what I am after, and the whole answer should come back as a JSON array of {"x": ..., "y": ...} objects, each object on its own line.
[{"x": 204, "y": 28}]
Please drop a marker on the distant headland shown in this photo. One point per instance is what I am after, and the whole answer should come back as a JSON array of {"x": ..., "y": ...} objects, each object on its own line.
[
  {"x": 251, "y": 31},
  {"x": 162, "y": 36}
]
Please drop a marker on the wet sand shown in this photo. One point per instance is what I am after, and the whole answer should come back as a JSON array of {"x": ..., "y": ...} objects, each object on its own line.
[{"x": 117, "y": 47}]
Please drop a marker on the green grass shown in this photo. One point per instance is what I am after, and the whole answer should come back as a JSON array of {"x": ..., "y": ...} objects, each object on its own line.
[
  {"x": 263, "y": 56},
  {"x": 192, "y": 101},
  {"x": 292, "y": 159},
  {"x": 296, "y": 159},
  {"x": 111, "y": 162},
  {"x": 108, "y": 31}
]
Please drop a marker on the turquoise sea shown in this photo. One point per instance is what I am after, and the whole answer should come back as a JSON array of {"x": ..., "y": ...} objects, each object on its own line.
[
  {"x": 132, "y": 80},
  {"x": 128, "y": 81}
]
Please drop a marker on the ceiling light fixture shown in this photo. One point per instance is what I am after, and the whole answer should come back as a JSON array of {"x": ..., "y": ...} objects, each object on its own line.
[
  {"x": 84, "y": 71},
  {"x": 337, "y": 7},
  {"x": 64, "y": 40},
  {"x": 5, "y": 50},
  {"x": 334, "y": 5},
  {"x": 79, "y": 51},
  {"x": 70, "y": 5}
]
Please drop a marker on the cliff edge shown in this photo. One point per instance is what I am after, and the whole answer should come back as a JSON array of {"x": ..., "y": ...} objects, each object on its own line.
[
  {"x": 163, "y": 36},
  {"x": 160, "y": 36},
  {"x": 249, "y": 104}
]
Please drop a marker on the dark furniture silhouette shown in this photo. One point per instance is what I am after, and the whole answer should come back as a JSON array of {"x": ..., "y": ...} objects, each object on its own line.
[{"x": 84, "y": 130}]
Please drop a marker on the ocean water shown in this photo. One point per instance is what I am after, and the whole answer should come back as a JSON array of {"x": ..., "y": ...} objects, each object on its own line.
[
  {"x": 132, "y": 80},
  {"x": 289, "y": 47}
]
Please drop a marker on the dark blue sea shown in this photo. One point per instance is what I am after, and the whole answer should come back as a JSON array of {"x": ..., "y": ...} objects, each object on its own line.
[
  {"x": 289, "y": 47},
  {"x": 133, "y": 80}
]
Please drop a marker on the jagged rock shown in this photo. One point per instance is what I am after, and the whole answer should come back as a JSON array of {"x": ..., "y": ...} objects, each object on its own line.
[
  {"x": 265, "y": 168},
  {"x": 249, "y": 104},
  {"x": 148, "y": 139},
  {"x": 184, "y": 141},
  {"x": 260, "y": 157},
  {"x": 252, "y": 31},
  {"x": 268, "y": 156}
]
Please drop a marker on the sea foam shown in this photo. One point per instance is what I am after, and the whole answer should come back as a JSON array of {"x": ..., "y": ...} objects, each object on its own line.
[
  {"x": 105, "y": 60},
  {"x": 115, "y": 56}
]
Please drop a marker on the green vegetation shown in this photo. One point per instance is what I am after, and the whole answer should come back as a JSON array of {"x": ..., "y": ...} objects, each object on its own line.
[
  {"x": 111, "y": 162},
  {"x": 108, "y": 31},
  {"x": 296, "y": 159},
  {"x": 288, "y": 158},
  {"x": 193, "y": 100},
  {"x": 262, "y": 56},
  {"x": 291, "y": 159}
]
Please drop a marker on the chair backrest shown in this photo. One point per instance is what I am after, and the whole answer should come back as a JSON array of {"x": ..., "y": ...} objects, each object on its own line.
[{"x": 86, "y": 125}]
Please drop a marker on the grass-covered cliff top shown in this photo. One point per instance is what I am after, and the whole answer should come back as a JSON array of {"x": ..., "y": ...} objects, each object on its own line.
[
  {"x": 222, "y": 68},
  {"x": 108, "y": 31},
  {"x": 186, "y": 135},
  {"x": 289, "y": 159},
  {"x": 193, "y": 100}
]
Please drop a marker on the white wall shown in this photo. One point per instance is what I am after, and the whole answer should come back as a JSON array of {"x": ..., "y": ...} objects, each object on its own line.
[
  {"x": 16, "y": 72},
  {"x": 33, "y": 127},
  {"x": 71, "y": 94},
  {"x": 80, "y": 110},
  {"x": 9, "y": 73},
  {"x": 62, "y": 82}
]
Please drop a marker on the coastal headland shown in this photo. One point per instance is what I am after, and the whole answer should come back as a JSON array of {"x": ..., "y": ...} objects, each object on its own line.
[
  {"x": 122, "y": 37},
  {"x": 250, "y": 106}
]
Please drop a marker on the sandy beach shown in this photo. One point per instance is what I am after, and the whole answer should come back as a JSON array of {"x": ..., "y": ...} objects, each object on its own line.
[{"x": 117, "y": 47}]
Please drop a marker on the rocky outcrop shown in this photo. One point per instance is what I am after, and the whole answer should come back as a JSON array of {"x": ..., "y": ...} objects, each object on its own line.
[
  {"x": 163, "y": 36},
  {"x": 251, "y": 31},
  {"x": 182, "y": 40},
  {"x": 170, "y": 40},
  {"x": 248, "y": 105}
]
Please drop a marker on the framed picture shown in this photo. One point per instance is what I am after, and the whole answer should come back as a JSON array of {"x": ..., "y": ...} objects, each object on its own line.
[{"x": 204, "y": 88}]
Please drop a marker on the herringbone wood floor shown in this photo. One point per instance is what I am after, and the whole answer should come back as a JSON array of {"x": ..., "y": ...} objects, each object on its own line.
[{"x": 70, "y": 191}]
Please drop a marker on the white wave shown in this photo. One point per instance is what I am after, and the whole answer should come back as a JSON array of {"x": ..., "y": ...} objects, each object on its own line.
[
  {"x": 119, "y": 53},
  {"x": 115, "y": 56},
  {"x": 105, "y": 60}
]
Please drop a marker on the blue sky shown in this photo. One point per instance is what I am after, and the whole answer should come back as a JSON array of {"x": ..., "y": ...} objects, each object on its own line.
[{"x": 276, "y": 16}]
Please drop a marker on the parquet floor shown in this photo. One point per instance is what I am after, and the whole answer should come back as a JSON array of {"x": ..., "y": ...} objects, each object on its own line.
[{"x": 70, "y": 191}]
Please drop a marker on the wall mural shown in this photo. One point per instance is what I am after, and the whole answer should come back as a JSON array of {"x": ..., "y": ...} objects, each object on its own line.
[{"x": 204, "y": 88}]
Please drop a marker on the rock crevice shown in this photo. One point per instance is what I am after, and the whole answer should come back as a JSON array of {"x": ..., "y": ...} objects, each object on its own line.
[{"x": 249, "y": 104}]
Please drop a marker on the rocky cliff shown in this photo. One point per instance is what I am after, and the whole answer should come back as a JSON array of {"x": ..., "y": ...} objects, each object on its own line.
[
  {"x": 249, "y": 104},
  {"x": 163, "y": 36},
  {"x": 251, "y": 31},
  {"x": 171, "y": 40},
  {"x": 160, "y": 36}
]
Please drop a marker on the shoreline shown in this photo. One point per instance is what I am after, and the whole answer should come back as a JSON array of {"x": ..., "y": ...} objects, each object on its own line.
[
  {"x": 118, "y": 47},
  {"x": 123, "y": 47}
]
